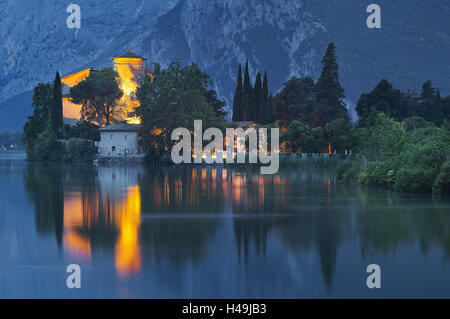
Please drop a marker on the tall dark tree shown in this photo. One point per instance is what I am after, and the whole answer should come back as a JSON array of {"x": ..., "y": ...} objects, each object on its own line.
[
  {"x": 437, "y": 115},
  {"x": 56, "y": 109},
  {"x": 431, "y": 105},
  {"x": 270, "y": 110},
  {"x": 264, "y": 116},
  {"x": 248, "y": 100},
  {"x": 36, "y": 123},
  {"x": 445, "y": 102},
  {"x": 258, "y": 99},
  {"x": 238, "y": 98},
  {"x": 427, "y": 99},
  {"x": 330, "y": 93}
]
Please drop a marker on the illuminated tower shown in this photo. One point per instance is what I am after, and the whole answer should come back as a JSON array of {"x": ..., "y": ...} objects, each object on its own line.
[{"x": 132, "y": 69}]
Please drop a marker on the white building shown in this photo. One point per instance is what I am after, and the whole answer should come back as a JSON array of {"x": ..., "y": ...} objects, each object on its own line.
[{"x": 119, "y": 140}]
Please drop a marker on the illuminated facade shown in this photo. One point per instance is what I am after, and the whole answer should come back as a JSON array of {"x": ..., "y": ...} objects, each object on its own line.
[
  {"x": 119, "y": 140},
  {"x": 131, "y": 68}
]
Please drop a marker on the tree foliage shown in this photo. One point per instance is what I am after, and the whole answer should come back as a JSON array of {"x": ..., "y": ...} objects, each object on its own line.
[
  {"x": 175, "y": 98},
  {"x": 379, "y": 141},
  {"x": 79, "y": 150},
  {"x": 46, "y": 147},
  {"x": 428, "y": 105},
  {"x": 82, "y": 130},
  {"x": 408, "y": 156},
  {"x": 41, "y": 103},
  {"x": 266, "y": 108},
  {"x": 258, "y": 95},
  {"x": 299, "y": 137},
  {"x": 252, "y": 103},
  {"x": 329, "y": 92},
  {"x": 56, "y": 109},
  {"x": 339, "y": 134},
  {"x": 100, "y": 95},
  {"x": 248, "y": 105},
  {"x": 296, "y": 101}
]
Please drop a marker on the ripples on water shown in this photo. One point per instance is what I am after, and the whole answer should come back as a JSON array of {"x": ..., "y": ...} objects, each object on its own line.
[{"x": 211, "y": 232}]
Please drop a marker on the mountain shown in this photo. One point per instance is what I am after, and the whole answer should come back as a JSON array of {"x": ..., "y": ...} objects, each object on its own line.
[
  {"x": 36, "y": 43},
  {"x": 284, "y": 37}
]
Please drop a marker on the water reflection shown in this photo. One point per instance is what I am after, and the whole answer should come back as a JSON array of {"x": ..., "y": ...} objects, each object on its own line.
[{"x": 271, "y": 228}]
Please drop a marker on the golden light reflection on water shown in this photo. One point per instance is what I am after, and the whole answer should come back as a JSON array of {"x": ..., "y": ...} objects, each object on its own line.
[
  {"x": 128, "y": 213},
  {"x": 110, "y": 212},
  {"x": 73, "y": 220},
  {"x": 83, "y": 215}
]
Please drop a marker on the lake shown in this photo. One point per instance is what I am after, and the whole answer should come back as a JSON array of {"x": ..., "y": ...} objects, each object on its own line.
[{"x": 214, "y": 232}]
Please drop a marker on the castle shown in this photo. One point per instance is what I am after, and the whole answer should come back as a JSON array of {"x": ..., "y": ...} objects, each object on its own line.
[{"x": 131, "y": 69}]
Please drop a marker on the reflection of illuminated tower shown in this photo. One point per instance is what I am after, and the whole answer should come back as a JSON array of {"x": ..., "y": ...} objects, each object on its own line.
[{"x": 132, "y": 69}]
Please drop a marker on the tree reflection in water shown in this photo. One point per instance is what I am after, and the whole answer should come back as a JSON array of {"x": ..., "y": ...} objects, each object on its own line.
[{"x": 178, "y": 214}]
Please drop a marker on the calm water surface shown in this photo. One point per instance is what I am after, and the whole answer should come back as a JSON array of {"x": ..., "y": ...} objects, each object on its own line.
[{"x": 174, "y": 232}]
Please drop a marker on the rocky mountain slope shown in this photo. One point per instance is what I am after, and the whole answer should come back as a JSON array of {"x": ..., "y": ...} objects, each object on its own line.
[{"x": 284, "y": 37}]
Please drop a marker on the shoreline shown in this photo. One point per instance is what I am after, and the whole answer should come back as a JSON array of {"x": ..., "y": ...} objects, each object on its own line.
[{"x": 19, "y": 154}]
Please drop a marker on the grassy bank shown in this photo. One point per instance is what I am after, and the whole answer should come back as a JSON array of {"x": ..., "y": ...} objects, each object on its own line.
[{"x": 409, "y": 156}]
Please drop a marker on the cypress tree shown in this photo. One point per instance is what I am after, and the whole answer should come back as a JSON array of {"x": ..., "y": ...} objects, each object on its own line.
[
  {"x": 436, "y": 112},
  {"x": 238, "y": 98},
  {"x": 270, "y": 116},
  {"x": 264, "y": 116},
  {"x": 257, "y": 107},
  {"x": 427, "y": 100},
  {"x": 56, "y": 109},
  {"x": 248, "y": 99},
  {"x": 330, "y": 93}
]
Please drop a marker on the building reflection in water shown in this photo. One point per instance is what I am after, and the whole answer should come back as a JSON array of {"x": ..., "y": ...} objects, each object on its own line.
[
  {"x": 142, "y": 214},
  {"x": 113, "y": 209},
  {"x": 136, "y": 220}
]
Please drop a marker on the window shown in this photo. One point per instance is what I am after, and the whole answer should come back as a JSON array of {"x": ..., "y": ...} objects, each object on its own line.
[
  {"x": 113, "y": 148},
  {"x": 111, "y": 136},
  {"x": 125, "y": 137}
]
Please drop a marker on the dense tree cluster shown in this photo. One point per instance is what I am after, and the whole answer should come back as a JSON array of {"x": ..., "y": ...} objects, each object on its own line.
[
  {"x": 428, "y": 105},
  {"x": 300, "y": 137},
  {"x": 252, "y": 103},
  {"x": 314, "y": 104},
  {"x": 409, "y": 156},
  {"x": 302, "y": 107},
  {"x": 175, "y": 98},
  {"x": 405, "y": 139},
  {"x": 45, "y": 126}
]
